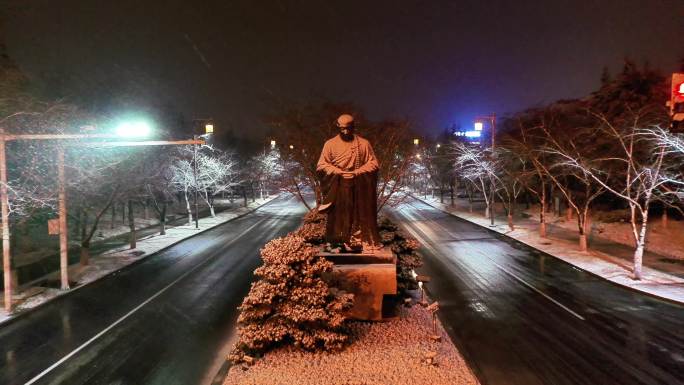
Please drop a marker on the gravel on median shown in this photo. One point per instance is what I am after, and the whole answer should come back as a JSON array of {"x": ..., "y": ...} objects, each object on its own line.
[{"x": 384, "y": 353}]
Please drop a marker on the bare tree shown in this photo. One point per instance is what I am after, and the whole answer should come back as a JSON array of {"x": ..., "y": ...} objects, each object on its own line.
[
  {"x": 95, "y": 180},
  {"x": 475, "y": 165},
  {"x": 183, "y": 180},
  {"x": 575, "y": 184},
  {"x": 393, "y": 148},
  {"x": 511, "y": 169},
  {"x": 158, "y": 186},
  {"x": 527, "y": 147},
  {"x": 216, "y": 172},
  {"x": 634, "y": 172},
  {"x": 265, "y": 168}
]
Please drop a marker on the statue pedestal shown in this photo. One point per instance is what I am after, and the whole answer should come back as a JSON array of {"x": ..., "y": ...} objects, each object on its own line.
[{"x": 369, "y": 276}]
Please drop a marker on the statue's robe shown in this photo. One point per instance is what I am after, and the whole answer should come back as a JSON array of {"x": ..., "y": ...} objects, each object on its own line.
[{"x": 350, "y": 204}]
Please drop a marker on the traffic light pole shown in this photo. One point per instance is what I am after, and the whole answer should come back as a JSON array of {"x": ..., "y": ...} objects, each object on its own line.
[
  {"x": 63, "y": 240},
  {"x": 676, "y": 103},
  {"x": 6, "y": 256}
]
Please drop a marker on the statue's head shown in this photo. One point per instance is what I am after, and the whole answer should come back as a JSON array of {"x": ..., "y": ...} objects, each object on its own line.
[{"x": 346, "y": 124}]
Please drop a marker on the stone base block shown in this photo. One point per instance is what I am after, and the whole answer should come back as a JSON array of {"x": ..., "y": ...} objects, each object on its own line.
[
  {"x": 384, "y": 255},
  {"x": 369, "y": 283}
]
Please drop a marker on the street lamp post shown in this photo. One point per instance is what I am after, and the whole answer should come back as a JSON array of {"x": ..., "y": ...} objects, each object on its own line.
[
  {"x": 208, "y": 130},
  {"x": 194, "y": 173},
  {"x": 138, "y": 130},
  {"x": 479, "y": 125}
]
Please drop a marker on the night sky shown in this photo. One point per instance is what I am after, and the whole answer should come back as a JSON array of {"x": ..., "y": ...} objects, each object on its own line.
[{"x": 434, "y": 62}]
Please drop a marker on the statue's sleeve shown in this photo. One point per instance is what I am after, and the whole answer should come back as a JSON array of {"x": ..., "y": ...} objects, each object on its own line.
[
  {"x": 325, "y": 161},
  {"x": 371, "y": 164}
]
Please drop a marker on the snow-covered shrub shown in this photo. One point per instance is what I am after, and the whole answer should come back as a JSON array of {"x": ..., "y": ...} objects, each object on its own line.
[
  {"x": 290, "y": 303},
  {"x": 405, "y": 248},
  {"x": 313, "y": 228}
]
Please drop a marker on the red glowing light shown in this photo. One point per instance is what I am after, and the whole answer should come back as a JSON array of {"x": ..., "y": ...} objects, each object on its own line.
[{"x": 680, "y": 89}]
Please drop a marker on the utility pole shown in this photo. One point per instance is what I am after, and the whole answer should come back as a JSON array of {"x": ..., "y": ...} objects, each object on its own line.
[
  {"x": 492, "y": 132},
  {"x": 4, "y": 202},
  {"x": 63, "y": 244}
]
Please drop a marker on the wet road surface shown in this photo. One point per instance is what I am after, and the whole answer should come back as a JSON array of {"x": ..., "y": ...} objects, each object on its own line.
[
  {"x": 161, "y": 321},
  {"x": 520, "y": 316}
]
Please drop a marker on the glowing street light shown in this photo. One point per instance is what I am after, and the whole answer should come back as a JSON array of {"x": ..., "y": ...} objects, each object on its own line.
[
  {"x": 208, "y": 128},
  {"x": 416, "y": 141},
  {"x": 273, "y": 144},
  {"x": 479, "y": 126},
  {"x": 136, "y": 129}
]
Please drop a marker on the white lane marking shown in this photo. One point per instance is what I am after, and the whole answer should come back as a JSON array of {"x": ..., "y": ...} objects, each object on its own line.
[
  {"x": 538, "y": 291},
  {"x": 110, "y": 327},
  {"x": 431, "y": 248}
]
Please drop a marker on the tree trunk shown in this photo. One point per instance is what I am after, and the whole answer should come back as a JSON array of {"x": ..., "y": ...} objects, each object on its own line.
[
  {"x": 84, "y": 224},
  {"x": 162, "y": 220},
  {"x": 641, "y": 244},
  {"x": 123, "y": 213},
  {"x": 211, "y": 210},
  {"x": 583, "y": 242},
  {"x": 111, "y": 226},
  {"x": 131, "y": 225},
  {"x": 187, "y": 207},
  {"x": 441, "y": 194},
  {"x": 451, "y": 193},
  {"x": 581, "y": 223},
  {"x": 510, "y": 221},
  {"x": 77, "y": 229},
  {"x": 664, "y": 218},
  {"x": 146, "y": 211},
  {"x": 244, "y": 196},
  {"x": 542, "y": 219},
  {"x": 487, "y": 210},
  {"x": 85, "y": 253},
  {"x": 557, "y": 206},
  {"x": 568, "y": 213},
  {"x": 638, "y": 260}
]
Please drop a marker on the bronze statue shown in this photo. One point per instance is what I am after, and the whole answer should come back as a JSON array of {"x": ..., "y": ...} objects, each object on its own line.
[{"x": 348, "y": 170}]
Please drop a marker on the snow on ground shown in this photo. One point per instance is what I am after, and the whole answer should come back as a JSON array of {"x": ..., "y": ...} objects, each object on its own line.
[
  {"x": 387, "y": 353},
  {"x": 614, "y": 269},
  {"x": 664, "y": 239},
  {"x": 116, "y": 259}
]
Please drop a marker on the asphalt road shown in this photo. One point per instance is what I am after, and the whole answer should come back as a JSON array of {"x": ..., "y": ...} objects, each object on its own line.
[
  {"x": 520, "y": 316},
  {"x": 161, "y": 321}
]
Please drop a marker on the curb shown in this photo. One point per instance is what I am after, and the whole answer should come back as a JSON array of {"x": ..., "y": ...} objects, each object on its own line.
[
  {"x": 17, "y": 316},
  {"x": 633, "y": 289}
]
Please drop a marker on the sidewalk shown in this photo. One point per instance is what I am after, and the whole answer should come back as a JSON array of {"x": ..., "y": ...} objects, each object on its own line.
[
  {"x": 607, "y": 259},
  {"x": 118, "y": 258}
]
